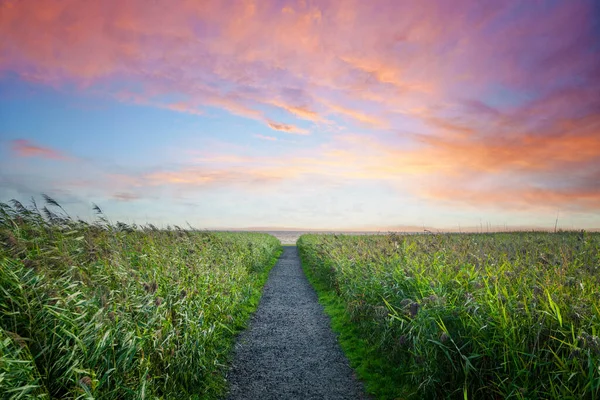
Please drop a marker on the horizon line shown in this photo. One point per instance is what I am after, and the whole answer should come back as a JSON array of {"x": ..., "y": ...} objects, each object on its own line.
[{"x": 410, "y": 229}]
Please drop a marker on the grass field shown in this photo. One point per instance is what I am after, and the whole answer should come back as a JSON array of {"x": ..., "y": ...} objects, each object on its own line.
[
  {"x": 114, "y": 311},
  {"x": 477, "y": 316}
]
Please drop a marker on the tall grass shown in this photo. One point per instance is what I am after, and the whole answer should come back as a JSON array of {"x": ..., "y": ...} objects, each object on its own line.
[
  {"x": 115, "y": 311},
  {"x": 508, "y": 315}
]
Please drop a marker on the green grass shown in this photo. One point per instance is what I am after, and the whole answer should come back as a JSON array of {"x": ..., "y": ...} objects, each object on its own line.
[
  {"x": 509, "y": 315},
  {"x": 380, "y": 377},
  {"x": 114, "y": 311}
]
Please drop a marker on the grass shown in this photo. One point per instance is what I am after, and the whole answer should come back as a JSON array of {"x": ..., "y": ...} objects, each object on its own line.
[
  {"x": 498, "y": 316},
  {"x": 115, "y": 311},
  {"x": 379, "y": 377}
]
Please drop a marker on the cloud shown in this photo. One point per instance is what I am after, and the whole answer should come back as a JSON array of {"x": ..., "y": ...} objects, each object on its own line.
[
  {"x": 524, "y": 153},
  {"x": 526, "y": 171},
  {"x": 26, "y": 148},
  {"x": 299, "y": 111},
  {"x": 238, "y": 56},
  {"x": 197, "y": 177},
  {"x": 182, "y": 107},
  {"x": 433, "y": 108},
  {"x": 304, "y": 113},
  {"x": 287, "y": 128},
  {"x": 520, "y": 198},
  {"x": 359, "y": 116},
  {"x": 125, "y": 196},
  {"x": 501, "y": 175}
]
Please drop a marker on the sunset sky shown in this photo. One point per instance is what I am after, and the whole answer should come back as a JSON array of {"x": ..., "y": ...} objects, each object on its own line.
[{"x": 313, "y": 114}]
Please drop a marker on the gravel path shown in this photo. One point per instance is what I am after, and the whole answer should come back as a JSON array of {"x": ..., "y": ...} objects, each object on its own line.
[{"x": 289, "y": 350}]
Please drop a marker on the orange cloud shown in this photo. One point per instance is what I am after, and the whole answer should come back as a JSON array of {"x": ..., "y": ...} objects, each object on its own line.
[
  {"x": 381, "y": 67},
  {"x": 358, "y": 116},
  {"x": 188, "y": 177},
  {"x": 304, "y": 113},
  {"x": 300, "y": 112},
  {"x": 510, "y": 175},
  {"x": 578, "y": 144},
  {"x": 287, "y": 128},
  {"x": 182, "y": 107},
  {"x": 26, "y": 148},
  {"x": 197, "y": 177},
  {"x": 522, "y": 197}
]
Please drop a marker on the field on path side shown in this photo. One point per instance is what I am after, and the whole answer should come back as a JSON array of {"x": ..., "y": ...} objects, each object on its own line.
[
  {"x": 114, "y": 311},
  {"x": 506, "y": 315}
]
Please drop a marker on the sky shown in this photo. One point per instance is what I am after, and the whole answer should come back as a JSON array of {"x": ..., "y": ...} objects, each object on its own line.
[{"x": 305, "y": 114}]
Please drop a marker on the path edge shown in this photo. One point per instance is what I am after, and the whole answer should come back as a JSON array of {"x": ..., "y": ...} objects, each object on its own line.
[
  {"x": 373, "y": 370},
  {"x": 250, "y": 309}
]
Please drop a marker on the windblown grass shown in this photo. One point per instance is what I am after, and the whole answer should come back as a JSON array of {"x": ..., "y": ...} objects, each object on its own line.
[
  {"x": 498, "y": 316},
  {"x": 114, "y": 311}
]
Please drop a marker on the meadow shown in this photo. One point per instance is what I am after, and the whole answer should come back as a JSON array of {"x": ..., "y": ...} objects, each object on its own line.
[
  {"x": 470, "y": 316},
  {"x": 114, "y": 311}
]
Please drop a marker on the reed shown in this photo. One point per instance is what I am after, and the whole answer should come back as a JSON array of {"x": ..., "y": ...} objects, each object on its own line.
[
  {"x": 113, "y": 311},
  {"x": 506, "y": 315}
]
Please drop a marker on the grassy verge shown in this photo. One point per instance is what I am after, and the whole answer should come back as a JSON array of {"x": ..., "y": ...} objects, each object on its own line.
[
  {"x": 381, "y": 379},
  {"x": 511, "y": 315},
  {"x": 116, "y": 311}
]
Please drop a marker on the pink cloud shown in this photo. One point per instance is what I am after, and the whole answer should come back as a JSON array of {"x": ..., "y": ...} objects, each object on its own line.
[
  {"x": 359, "y": 116},
  {"x": 26, "y": 148},
  {"x": 485, "y": 90},
  {"x": 409, "y": 53},
  {"x": 299, "y": 111},
  {"x": 287, "y": 128}
]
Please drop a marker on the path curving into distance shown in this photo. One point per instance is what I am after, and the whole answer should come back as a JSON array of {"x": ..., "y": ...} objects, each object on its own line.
[{"x": 289, "y": 350}]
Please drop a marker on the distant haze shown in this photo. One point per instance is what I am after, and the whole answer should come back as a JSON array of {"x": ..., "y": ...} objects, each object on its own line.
[{"x": 290, "y": 237}]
